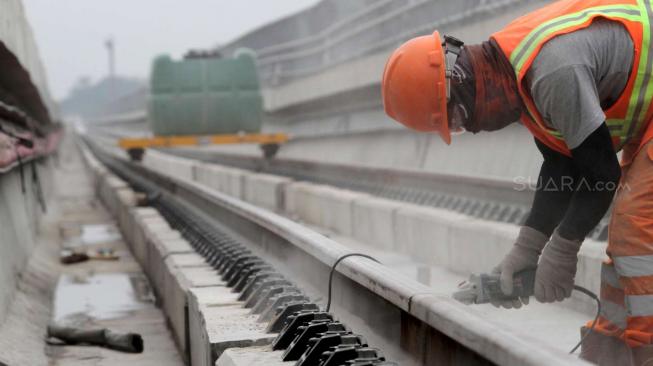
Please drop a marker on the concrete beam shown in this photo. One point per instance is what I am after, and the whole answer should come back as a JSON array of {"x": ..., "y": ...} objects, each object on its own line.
[
  {"x": 156, "y": 267},
  {"x": 181, "y": 275},
  {"x": 218, "y": 321},
  {"x": 251, "y": 356}
]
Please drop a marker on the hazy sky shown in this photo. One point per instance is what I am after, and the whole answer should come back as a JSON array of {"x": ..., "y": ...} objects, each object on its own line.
[{"x": 71, "y": 33}]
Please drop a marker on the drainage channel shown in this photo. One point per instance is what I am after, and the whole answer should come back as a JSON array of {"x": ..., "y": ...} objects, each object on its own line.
[{"x": 280, "y": 269}]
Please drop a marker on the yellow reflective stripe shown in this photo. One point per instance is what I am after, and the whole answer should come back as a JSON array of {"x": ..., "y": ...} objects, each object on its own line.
[
  {"x": 616, "y": 127},
  {"x": 526, "y": 47},
  {"x": 642, "y": 90}
]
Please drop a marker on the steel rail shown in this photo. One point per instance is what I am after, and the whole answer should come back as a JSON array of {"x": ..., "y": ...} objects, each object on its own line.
[{"x": 432, "y": 327}]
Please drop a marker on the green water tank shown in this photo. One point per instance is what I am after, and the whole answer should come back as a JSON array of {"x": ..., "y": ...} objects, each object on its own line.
[{"x": 202, "y": 96}]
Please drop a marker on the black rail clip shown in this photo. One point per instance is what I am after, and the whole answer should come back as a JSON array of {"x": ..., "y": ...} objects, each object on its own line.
[
  {"x": 267, "y": 297},
  {"x": 255, "y": 282},
  {"x": 347, "y": 355},
  {"x": 239, "y": 282},
  {"x": 283, "y": 316},
  {"x": 278, "y": 302},
  {"x": 301, "y": 343},
  {"x": 296, "y": 321},
  {"x": 263, "y": 291},
  {"x": 326, "y": 341}
]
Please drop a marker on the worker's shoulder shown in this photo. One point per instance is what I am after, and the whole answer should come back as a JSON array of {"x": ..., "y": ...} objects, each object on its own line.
[
  {"x": 604, "y": 46},
  {"x": 601, "y": 36}
]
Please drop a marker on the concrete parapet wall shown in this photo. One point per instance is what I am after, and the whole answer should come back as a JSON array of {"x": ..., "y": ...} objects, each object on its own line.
[
  {"x": 17, "y": 36},
  {"x": 20, "y": 214}
]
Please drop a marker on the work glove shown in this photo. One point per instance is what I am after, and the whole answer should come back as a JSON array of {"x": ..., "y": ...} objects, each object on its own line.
[
  {"x": 554, "y": 278},
  {"x": 523, "y": 255}
]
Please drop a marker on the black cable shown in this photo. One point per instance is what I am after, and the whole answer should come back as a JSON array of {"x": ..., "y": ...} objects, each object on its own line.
[
  {"x": 596, "y": 318},
  {"x": 333, "y": 269}
]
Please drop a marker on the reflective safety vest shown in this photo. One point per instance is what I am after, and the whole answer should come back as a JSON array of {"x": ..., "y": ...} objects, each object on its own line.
[{"x": 628, "y": 118}]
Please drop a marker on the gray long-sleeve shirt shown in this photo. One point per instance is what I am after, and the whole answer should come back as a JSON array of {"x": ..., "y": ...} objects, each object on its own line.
[{"x": 578, "y": 75}]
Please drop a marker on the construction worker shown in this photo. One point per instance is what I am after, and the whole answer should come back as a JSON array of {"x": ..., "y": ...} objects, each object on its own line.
[{"x": 578, "y": 75}]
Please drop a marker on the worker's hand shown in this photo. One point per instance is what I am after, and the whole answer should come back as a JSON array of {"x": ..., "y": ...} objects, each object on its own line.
[
  {"x": 554, "y": 278},
  {"x": 523, "y": 255}
]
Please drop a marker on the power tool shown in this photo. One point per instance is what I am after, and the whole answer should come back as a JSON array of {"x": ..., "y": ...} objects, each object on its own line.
[{"x": 483, "y": 288}]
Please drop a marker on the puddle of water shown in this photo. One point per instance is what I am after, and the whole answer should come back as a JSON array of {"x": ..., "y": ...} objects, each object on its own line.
[
  {"x": 100, "y": 296},
  {"x": 99, "y": 234}
]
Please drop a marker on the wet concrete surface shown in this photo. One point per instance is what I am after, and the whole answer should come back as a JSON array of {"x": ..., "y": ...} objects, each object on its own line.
[
  {"x": 93, "y": 294},
  {"x": 89, "y": 296},
  {"x": 91, "y": 234},
  {"x": 106, "y": 294}
]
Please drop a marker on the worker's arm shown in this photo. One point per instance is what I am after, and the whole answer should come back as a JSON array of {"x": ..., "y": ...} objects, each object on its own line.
[
  {"x": 598, "y": 165},
  {"x": 598, "y": 174},
  {"x": 575, "y": 193},
  {"x": 554, "y": 191}
]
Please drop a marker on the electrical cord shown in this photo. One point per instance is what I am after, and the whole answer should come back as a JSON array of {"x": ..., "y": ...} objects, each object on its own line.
[
  {"x": 596, "y": 318},
  {"x": 333, "y": 269},
  {"x": 576, "y": 288}
]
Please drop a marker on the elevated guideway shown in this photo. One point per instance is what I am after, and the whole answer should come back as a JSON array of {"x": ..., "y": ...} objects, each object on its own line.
[{"x": 320, "y": 71}]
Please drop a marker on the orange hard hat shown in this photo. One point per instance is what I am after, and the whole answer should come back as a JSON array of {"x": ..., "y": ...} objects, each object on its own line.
[{"x": 414, "y": 86}]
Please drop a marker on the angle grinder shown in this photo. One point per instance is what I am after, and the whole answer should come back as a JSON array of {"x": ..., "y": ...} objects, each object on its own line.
[{"x": 484, "y": 288}]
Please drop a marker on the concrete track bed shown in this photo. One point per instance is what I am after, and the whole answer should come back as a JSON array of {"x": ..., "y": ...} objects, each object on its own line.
[{"x": 404, "y": 318}]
